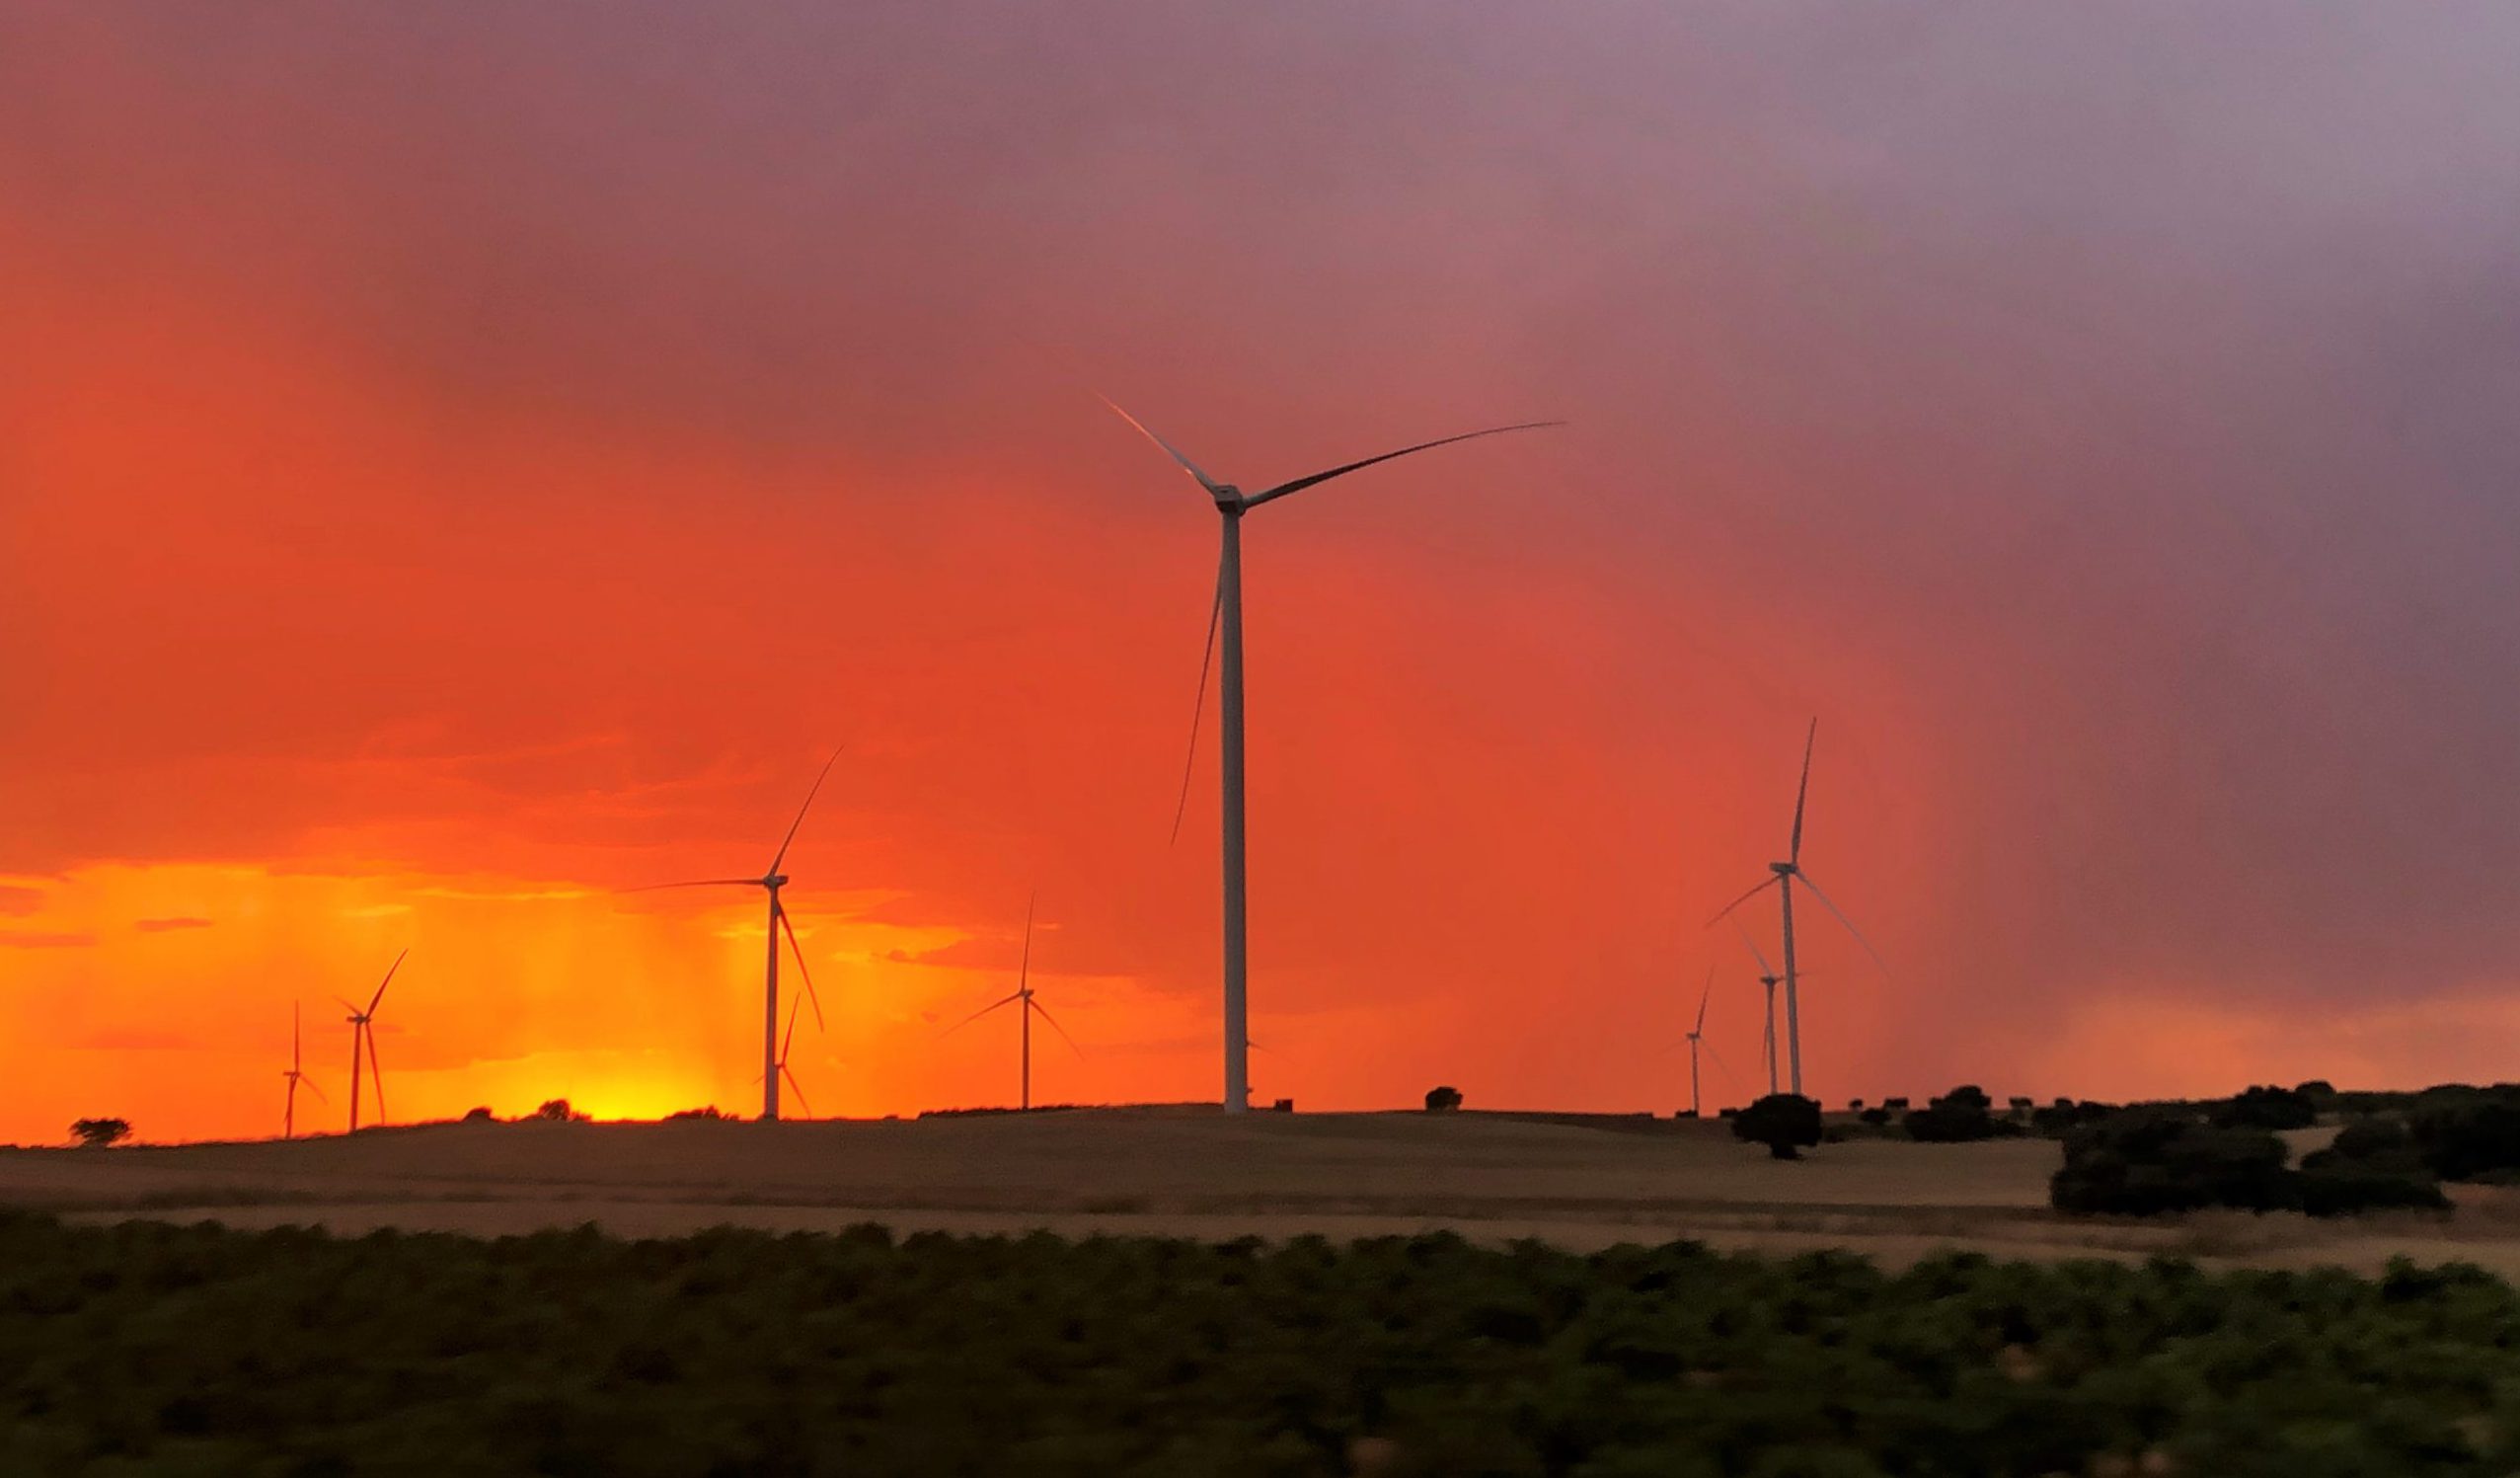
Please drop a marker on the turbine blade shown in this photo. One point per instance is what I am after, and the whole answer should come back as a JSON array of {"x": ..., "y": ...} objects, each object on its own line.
[
  {"x": 803, "y": 973},
  {"x": 1211, "y": 484},
  {"x": 790, "y": 1079},
  {"x": 1753, "y": 944},
  {"x": 801, "y": 810},
  {"x": 1024, "y": 971},
  {"x": 297, "y": 1037},
  {"x": 1843, "y": 919},
  {"x": 1198, "y": 704},
  {"x": 1701, "y": 998},
  {"x": 1721, "y": 1066},
  {"x": 977, "y": 1015},
  {"x": 309, "y": 1085},
  {"x": 700, "y": 883},
  {"x": 1745, "y": 897},
  {"x": 388, "y": 981},
  {"x": 1301, "y": 483},
  {"x": 376, "y": 1075},
  {"x": 1056, "y": 1027},
  {"x": 1793, "y": 854},
  {"x": 790, "y": 1039},
  {"x": 348, "y": 1004}
]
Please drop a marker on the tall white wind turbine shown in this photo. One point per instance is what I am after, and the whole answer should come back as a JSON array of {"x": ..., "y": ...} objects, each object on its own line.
[
  {"x": 1226, "y": 614},
  {"x": 363, "y": 1035},
  {"x": 1025, "y": 1008},
  {"x": 1783, "y": 875},
  {"x": 296, "y": 1073},
  {"x": 771, "y": 882}
]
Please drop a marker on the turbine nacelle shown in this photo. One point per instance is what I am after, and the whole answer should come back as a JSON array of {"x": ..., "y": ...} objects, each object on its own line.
[
  {"x": 775, "y": 882},
  {"x": 1784, "y": 869}
]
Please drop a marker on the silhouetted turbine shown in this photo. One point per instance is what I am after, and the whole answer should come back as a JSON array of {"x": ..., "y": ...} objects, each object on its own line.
[{"x": 1225, "y": 614}]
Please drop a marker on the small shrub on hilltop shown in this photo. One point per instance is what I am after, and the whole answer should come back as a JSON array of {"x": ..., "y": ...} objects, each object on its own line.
[
  {"x": 1785, "y": 1123},
  {"x": 101, "y": 1133},
  {"x": 557, "y": 1111},
  {"x": 1961, "y": 1116},
  {"x": 2062, "y": 1116},
  {"x": 481, "y": 1114},
  {"x": 1442, "y": 1100},
  {"x": 2265, "y": 1108},
  {"x": 712, "y": 1112}
]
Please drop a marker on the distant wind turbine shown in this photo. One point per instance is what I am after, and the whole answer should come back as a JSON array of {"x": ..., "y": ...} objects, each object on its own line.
[
  {"x": 1697, "y": 1040},
  {"x": 1781, "y": 878},
  {"x": 1225, "y": 614},
  {"x": 363, "y": 1035},
  {"x": 1768, "y": 1022},
  {"x": 771, "y": 882},
  {"x": 297, "y": 1070},
  {"x": 1027, "y": 1008}
]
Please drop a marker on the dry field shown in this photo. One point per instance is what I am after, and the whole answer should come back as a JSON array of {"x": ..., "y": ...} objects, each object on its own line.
[{"x": 1581, "y": 1183}]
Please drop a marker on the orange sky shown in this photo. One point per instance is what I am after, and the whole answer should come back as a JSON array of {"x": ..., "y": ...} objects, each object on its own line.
[{"x": 454, "y": 469}]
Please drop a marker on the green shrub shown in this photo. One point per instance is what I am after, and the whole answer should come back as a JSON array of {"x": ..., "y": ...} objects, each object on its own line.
[
  {"x": 1958, "y": 1117},
  {"x": 1785, "y": 1123},
  {"x": 2465, "y": 1134},
  {"x": 2266, "y": 1108},
  {"x": 2145, "y": 1161}
]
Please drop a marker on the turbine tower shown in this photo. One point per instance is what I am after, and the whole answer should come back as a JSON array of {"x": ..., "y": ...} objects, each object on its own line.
[
  {"x": 363, "y": 1035},
  {"x": 1023, "y": 998},
  {"x": 786, "y": 1043},
  {"x": 297, "y": 1073},
  {"x": 1226, "y": 613},
  {"x": 1768, "y": 1023},
  {"x": 772, "y": 1057},
  {"x": 1783, "y": 875},
  {"x": 1696, "y": 1039}
]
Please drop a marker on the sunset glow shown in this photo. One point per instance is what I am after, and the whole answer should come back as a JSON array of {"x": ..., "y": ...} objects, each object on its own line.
[{"x": 450, "y": 476}]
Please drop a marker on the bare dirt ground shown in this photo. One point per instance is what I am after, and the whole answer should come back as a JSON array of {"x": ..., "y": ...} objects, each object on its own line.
[{"x": 1581, "y": 1183}]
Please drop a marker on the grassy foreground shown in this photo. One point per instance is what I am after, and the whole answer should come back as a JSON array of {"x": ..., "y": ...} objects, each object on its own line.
[{"x": 153, "y": 1348}]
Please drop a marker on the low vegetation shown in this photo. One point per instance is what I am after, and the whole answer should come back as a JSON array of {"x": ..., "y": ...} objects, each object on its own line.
[
  {"x": 1785, "y": 1123},
  {"x": 101, "y": 1133},
  {"x": 146, "y": 1349},
  {"x": 2142, "y": 1162}
]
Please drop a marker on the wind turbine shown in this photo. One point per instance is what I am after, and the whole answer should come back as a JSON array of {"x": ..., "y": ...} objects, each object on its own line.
[
  {"x": 363, "y": 1034},
  {"x": 1768, "y": 1023},
  {"x": 1022, "y": 1000},
  {"x": 1696, "y": 1039},
  {"x": 772, "y": 1057},
  {"x": 1226, "y": 613},
  {"x": 297, "y": 1070},
  {"x": 1781, "y": 878}
]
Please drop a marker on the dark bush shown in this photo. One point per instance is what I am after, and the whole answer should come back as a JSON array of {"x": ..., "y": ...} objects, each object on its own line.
[
  {"x": 1878, "y": 1118},
  {"x": 2266, "y": 1108},
  {"x": 1962, "y": 1114},
  {"x": 2372, "y": 1165},
  {"x": 1895, "y": 1105},
  {"x": 711, "y": 1112},
  {"x": 1785, "y": 1123},
  {"x": 2059, "y": 1118},
  {"x": 101, "y": 1133},
  {"x": 1442, "y": 1100},
  {"x": 479, "y": 1116},
  {"x": 557, "y": 1111},
  {"x": 2467, "y": 1134},
  {"x": 2144, "y": 1161},
  {"x": 2320, "y": 1093}
]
